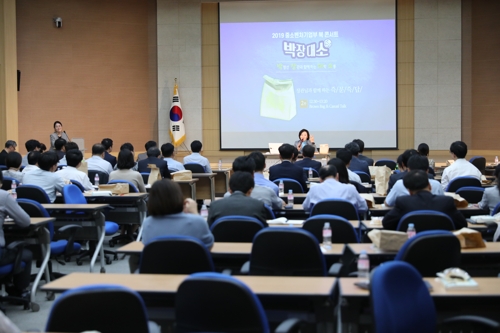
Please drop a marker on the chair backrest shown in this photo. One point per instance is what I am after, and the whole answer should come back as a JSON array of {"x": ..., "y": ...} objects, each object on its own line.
[
  {"x": 61, "y": 166},
  {"x": 342, "y": 230},
  {"x": 194, "y": 167},
  {"x": 365, "y": 178},
  {"x": 290, "y": 184},
  {"x": 471, "y": 193},
  {"x": 145, "y": 177},
  {"x": 235, "y": 228},
  {"x": 459, "y": 182},
  {"x": 131, "y": 186},
  {"x": 73, "y": 195},
  {"x": 314, "y": 172},
  {"x": 431, "y": 251},
  {"x": 35, "y": 209},
  {"x": 286, "y": 252},
  {"x": 77, "y": 184},
  {"x": 400, "y": 300},
  {"x": 496, "y": 209},
  {"x": 479, "y": 162},
  {"x": 359, "y": 187},
  {"x": 335, "y": 206},
  {"x": 388, "y": 163},
  {"x": 96, "y": 306},
  {"x": 175, "y": 255},
  {"x": 103, "y": 176},
  {"x": 269, "y": 213},
  {"x": 426, "y": 220},
  {"x": 223, "y": 304},
  {"x": 7, "y": 183},
  {"x": 32, "y": 192},
  {"x": 3, "y": 167}
]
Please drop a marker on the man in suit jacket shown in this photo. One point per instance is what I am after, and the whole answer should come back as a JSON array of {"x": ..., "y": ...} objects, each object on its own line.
[
  {"x": 307, "y": 161},
  {"x": 421, "y": 198},
  {"x": 356, "y": 163},
  {"x": 153, "y": 154},
  {"x": 108, "y": 144},
  {"x": 239, "y": 202},
  {"x": 361, "y": 145},
  {"x": 286, "y": 169},
  {"x": 10, "y": 146}
]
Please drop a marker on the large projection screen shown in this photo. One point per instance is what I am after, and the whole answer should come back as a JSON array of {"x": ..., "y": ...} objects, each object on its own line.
[{"x": 326, "y": 66}]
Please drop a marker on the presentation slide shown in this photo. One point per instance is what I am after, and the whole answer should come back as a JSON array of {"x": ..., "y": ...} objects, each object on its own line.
[{"x": 335, "y": 77}]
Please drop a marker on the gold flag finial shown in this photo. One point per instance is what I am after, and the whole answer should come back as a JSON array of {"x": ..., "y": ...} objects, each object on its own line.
[{"x": 175, "y": 86}]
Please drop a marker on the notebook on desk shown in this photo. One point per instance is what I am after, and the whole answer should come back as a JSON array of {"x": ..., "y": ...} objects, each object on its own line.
[{"x": 274, "y": 148}]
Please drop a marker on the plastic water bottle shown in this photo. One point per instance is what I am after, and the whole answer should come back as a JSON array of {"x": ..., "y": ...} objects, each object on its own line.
[
  {"x": 310, "y": 174},
  {"x": 281, "y": 187},
  {"x": 327, "y": 236},
  {"x": 290, "y": 198},
  {"x": 496, "y": 159},
  {"x": 220, "y": 164},
  {"x": 363, "y": 266},
  {"x": 411, "y": 230},
  {"x": 13, "y": 192},
  {"x": 204, "y": 211},
  {"x": 96, "y": 179}
]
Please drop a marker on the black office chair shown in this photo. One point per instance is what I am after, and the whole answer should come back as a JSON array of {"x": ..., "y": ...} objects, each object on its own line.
[
  {"x": 459, "y": 182},
  {"x": 285, "y": 252},
  {"x": 194, "y": 167},
  {"x": 290, "y": 184},
  {"x": 359, "y": 187},
  {"x": 342, "y": 230},
  {"x": 365, "y": 178},
  {"x": 101, "y": 307},
  {"x": 431, "y": 251},
  {"x": 145, "y": 177},
  {"x": 269, "y": 213},
  {"x": 7, "y": 271},
  {"x": 32, "y": 192},
  {"x": 235, "y": 228},
  {"x": 472, "y": 194},
  {"x": 388, "y": 163},
  {"x": 3, "y": 167},
  {"x": 338, "y": 207},
  {"x": 426, "y": 220},
  {"x": 213, "y": 302},
  {"x": 103, "y": 176},
  {"x": 175, "y": 255},
  {"x": 479, "y": 162},
  {"x": 7, "y": 183},
  {"x": 61, "y": 166}
]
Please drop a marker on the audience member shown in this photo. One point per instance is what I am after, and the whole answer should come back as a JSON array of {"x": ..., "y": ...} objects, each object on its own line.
[
  {"x": 346, "y": 156},
  {"x": 108, "y": 145},
  {"x": 421, "y": 198},
  {"x": 423, "y": 150},
  {"x": 32, "y": 161},
  {"x": 167, "y": 150},
  {"x": 9, "y": 206},
  {"x": 461, "y": 167},
  {"x": 59, "y": 147},
  {"x": 129, "y": 146},
  {"x": 258, "y": 176},
  {"x": 239, "y": 202},
  {"x": 196, "y": 157},
  {"x": 341, "y": 170},
  {"x": 148, "y": 145},
  {"x": 362, "y": 157},
  {"x": 30, "y": 145},
  {"x": 330, "y": 187},
  {"x": 491, "y": 195},
  {"x": 67, "y": 147},
  {"x": 153, "y": 154},
  {"x": 13, "y": 163},
  {"x": 307, "y": 161},
  {"x": 74, "y": 158},
  {"x": 416, "y": 162},
  {"x": 125, "y": 164},
  {"x": 286, "y": 169},
  {"x": 43, "y": 147},
  {"x": 403, "y": 168},
  {"x": 356, "y": 164},
  {"x": 45, "y": 177},
  {"x": 10, "y": 146},
  {"x": 97, "y": 161}
]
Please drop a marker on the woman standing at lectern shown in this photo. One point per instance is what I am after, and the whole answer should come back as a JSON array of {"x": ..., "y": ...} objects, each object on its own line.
[
  {"x": 304, "y": 140},
  {"x": 58, "y": 133}
]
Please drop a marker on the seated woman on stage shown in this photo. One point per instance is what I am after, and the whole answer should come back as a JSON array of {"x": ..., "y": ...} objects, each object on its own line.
[
  {"x": 491, "y": 195},
  {"x": 304, "y": 139},
  {"x": 58, "y": 133},
  {"x": 124, "y": 170}
]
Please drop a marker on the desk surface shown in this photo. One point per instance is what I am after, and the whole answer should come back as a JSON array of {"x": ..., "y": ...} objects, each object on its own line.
[
  {"x": 204, "y": 175},
  {"x": 75, "y": 206},
  {"x": 34, "y": 221},
  {"x": 160, "y": 283},
  {"x": 491, "y": 248},
  {"x": 125, "y": 195},
  {"x": 368, "y": 225}
]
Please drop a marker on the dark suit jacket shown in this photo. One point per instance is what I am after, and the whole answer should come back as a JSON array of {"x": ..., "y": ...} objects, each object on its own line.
[
  {"x": 110, "y": 158},
  {"x": 161, "y": 164},
  {"x": 307, "y": 162},
  {"x": 237, "y": 204},
  {"x": 3, "y": 156},
  {"x": 368, "y": 160},
  {"x": 288, "y": 170},
  {"x": 423, "y": 200},
  {"x": 359, "y": 165}
]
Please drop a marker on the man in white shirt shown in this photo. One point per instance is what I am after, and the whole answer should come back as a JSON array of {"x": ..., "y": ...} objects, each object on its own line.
[
  {"x": 167, "y": 151},
  {"x": 45, "y": 177},
  {"x": 258, "y": 176},
  {"x": 32, "y": 161},
  {"x": 330, "y": 187},
  {"x": 345, "y": 155},
  {"x": 195, "y": 157},
  {"x": 461, "y": 167},
  {"x": 74, "y": 158},
  {"x": 30, "y": 145},
  {"x": 97, "y": 161}
]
